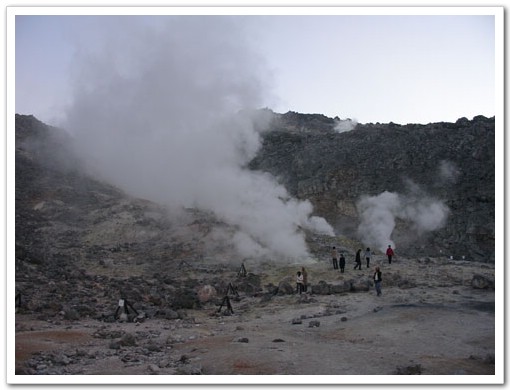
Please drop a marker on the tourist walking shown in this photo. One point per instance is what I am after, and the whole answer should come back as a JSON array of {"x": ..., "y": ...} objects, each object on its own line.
[
  {"x": 378, "y": 280},
  {"x": 305, "y": 279},
  {"x": 358, "y": 260},
  {"x": 299, "y": 282},
  {"x": 334, "y": 256},
  {"x": 342, "y": 263},
  {"x": 389, "y": 253},
  {"x": 368, "y": 254}
]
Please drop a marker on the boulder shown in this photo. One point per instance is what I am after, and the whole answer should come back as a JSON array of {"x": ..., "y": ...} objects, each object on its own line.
[
  {"x": 361, "y": 284},
  {"x": 321, "y": 288},
  {"x": 285, "y": 288},
  {"x": 340, "y": 288},
  {"x": 206, "y": 293},
  {"x": 185, "y": 298},
  {"x": 482, "y": 282}
]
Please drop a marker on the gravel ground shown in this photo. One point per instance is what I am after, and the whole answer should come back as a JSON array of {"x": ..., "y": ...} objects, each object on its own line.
[{"x": 440, "y": 325}]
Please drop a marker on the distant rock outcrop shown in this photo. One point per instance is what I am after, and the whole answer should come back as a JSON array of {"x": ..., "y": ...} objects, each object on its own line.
[{"x": 451, "y": 162}]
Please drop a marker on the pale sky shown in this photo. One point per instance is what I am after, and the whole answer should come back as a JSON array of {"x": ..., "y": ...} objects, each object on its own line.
[{"x": 371, "y": 68}]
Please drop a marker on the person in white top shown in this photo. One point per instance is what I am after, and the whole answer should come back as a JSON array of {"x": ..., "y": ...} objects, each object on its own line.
[
  {"x": 299, "y": 282},
  {"x": 368, "y": 254}
]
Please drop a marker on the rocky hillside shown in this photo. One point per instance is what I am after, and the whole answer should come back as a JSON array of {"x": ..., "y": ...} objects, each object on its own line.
[
  {"x": 70, "y": 226},
  {"x": 81, "y": 244},
  {"x": 452, "y": 163},
  {"x": 61, "y": 211}
]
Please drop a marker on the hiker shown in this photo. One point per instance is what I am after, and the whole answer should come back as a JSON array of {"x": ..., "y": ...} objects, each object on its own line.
[
  {"x": 299, "y": 284},
  {"x": 305, "y": 279},
  {"x": 342, "y": 263},
  {"x": 358, "y": 259},
  {"x": 367, "y": 256},
  {"x": 389, "y": 253},
  {"x": 378, "y": 280},
  {"x": 334, "y": 256}
]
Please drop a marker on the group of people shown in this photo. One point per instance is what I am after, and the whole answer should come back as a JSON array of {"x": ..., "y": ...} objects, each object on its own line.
[
  {"x": 339, "y": 263},
  {"x": 336, "y": 263},
  {"x": 368, "y": 256}
]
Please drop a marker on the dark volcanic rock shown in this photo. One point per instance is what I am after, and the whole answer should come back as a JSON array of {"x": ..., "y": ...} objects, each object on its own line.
[
  {"x": 453, "y": 162},
  {"x": 482, "y": 282},
  {"x": 284, "y": 287}
]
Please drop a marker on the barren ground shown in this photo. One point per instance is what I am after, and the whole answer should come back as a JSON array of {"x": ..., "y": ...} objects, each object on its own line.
[{"x": 442, "y": 326}]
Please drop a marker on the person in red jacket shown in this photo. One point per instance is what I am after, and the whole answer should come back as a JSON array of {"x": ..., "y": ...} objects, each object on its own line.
[{"x": 389, "y": 253}]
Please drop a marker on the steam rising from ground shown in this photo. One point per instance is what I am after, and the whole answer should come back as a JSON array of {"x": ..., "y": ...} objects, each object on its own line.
[
  {"x": 379, "y": 213},
  {"x": 343, "y": 125},
  {"x": 448, "y": 171},
  {"x": 159, "y": 112}
]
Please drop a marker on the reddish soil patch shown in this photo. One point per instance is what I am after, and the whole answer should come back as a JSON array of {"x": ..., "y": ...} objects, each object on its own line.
[{"x": 28, "y": 343}]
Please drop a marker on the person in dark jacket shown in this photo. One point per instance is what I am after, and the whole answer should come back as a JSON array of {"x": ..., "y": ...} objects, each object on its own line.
[
  {"x": 378, "y": 280},
  {"x": 342, "y": 263},
  {"x": 305, "y": 279},
  {"x": 358, "y": 260}
]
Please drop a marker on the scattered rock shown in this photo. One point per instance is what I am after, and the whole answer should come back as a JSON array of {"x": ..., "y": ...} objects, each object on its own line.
[
  {"x": 285, "y": 288},
  {"x": 361, "y": 284},
  {"x": 128, "y": 340},
  {"x": 184, "y": 359},
  {"x": 321, "y": 288},
  {"x": 206, "y": 293},
  {"x": 106, "y": 333},
  {"x": 482, "y": 282},
  {"x": 130, "y": 358},
  {"x": 409, "y": 370},
  {"x": 167, "y": 314},
  {"x": 189, "y": 369},
  {"x": 153, "y": 368}
]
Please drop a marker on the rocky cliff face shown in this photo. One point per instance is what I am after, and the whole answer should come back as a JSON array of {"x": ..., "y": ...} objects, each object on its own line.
[{"x": 448, "y": 165}]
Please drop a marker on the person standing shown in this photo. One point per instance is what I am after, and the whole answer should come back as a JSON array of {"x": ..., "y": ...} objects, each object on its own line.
[
  {"x": 334, "y": 256},
  {"x": 305, "y": 279},
  {"x": 389, "y": 253},
  {"x": 378, "y": 280},
  {"x": 342, "y": 263},
  {"x": 368, "y": 254},
  {"x": 358, "y": 259},
  {"x": 299, "y": 282}
]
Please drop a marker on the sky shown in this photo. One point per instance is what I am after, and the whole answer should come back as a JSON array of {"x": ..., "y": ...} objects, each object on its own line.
[{"x": 370, "y": 68}]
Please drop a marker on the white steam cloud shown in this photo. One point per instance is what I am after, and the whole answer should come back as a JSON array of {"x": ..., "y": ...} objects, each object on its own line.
[
  {"x": 379, "y": 213},
  {"x": 343, "y": 125},
  {"x": 448, "y": 171},
  {"x": 161, "y": 113}
]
